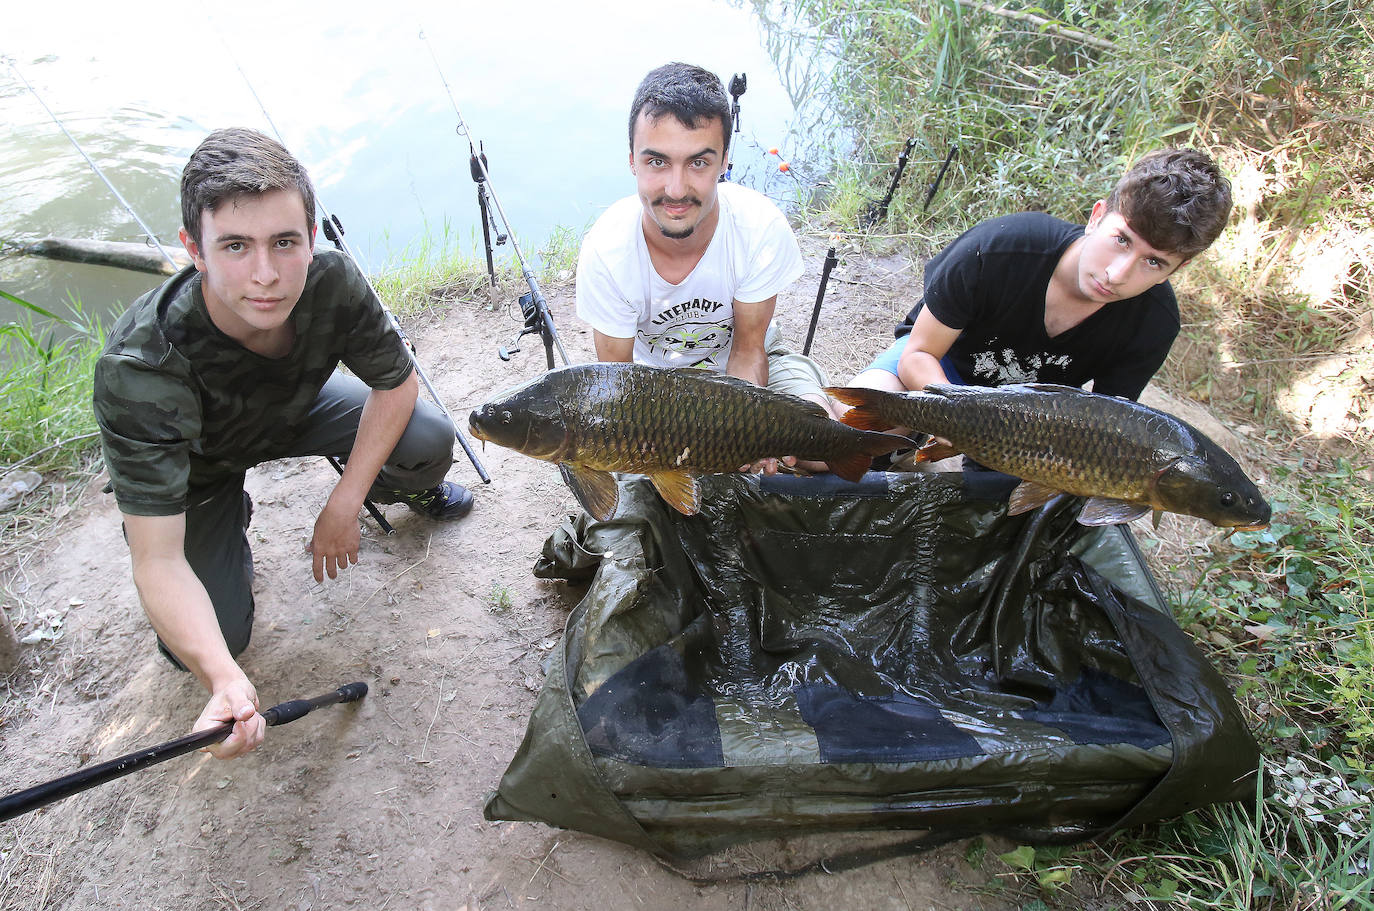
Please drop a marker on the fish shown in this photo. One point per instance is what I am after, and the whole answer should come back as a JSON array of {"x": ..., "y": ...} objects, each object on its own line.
[
  {"x": 1128, "y": 459},
  {"x": 671, "y": 424}
]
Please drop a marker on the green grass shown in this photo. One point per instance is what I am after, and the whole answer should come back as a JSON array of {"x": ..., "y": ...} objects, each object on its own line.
[
  {"x": 1287, "y": 612},
  {"x": 45, "y": 382}
]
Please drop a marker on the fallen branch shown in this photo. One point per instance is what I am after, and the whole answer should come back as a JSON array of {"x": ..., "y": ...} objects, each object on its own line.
[{"x": 137, "y": 257}]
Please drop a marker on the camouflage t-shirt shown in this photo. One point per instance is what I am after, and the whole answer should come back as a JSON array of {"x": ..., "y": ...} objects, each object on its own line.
[{"x": 182, "y": 406}]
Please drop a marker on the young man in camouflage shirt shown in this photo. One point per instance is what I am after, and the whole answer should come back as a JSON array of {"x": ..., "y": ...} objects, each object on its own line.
[{"x": 232, "y": 363}]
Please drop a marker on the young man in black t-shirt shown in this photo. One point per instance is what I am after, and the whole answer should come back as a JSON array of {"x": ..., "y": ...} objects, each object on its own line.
[{"x": 1030, "y": 298}]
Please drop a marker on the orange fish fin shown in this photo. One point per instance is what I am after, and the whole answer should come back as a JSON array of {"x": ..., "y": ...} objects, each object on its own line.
[
  {"x": 1103, "y": 511},
  {"x": 864, "y": 413},
  {"x": 1028, "y": 495},
  {"x": 849, "y": 395},
  {"x": 679, "y": 489},
  {"x": 851, "y": 467},
  {"x": 934, "y": 452},
  {"x": 860, "y": 418},
  {"x": 596, "y": 490}
]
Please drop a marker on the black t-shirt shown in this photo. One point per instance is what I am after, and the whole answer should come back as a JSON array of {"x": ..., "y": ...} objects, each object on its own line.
[{"x": 991, "y": 283}]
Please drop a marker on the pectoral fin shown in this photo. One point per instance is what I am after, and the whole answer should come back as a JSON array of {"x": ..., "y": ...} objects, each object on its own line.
[
  {"x": 596, "y": 490},
  {"x": 1029, "y": 495},
  {"x": 680, "y": 489},
  {"x": 934, "y": 452},
  {"x": 1102, "y": 511}
]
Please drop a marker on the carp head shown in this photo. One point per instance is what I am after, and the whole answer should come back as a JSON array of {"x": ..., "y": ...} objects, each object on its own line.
[
  {"x": 527, "y": 419},
  {"x": 1212, "y": 487}
]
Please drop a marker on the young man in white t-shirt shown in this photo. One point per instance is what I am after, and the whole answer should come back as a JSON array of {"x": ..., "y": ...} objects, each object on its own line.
[{"x": 687, "y": 273}]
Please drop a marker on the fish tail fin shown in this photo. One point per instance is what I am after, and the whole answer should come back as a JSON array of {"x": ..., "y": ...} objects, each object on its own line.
[
  {"x": 852, "y": 467},
  {"x": 863, "y": 413}
]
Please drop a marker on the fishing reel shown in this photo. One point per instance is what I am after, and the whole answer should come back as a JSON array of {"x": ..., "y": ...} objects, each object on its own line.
[{"x": 533, "y": 323}]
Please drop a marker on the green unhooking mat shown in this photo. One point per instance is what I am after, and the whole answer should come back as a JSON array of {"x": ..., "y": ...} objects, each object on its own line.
[{"x": 810, "y": 655}]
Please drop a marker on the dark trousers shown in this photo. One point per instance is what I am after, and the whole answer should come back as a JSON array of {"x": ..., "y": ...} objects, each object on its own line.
[{"x": 217, "y": 517}]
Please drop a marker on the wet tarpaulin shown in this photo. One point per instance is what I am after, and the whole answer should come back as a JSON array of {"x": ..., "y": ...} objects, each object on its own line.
[{"x": 808, "y": 655}]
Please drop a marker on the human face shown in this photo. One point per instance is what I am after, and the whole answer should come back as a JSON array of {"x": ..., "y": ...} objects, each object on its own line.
[
  {"x": 1115, "y": 263},
  {"x": 254, "y": 253},
  {"x": 676, "y": 169}
]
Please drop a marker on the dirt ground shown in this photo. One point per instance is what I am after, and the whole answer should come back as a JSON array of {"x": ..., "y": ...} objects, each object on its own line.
[{"x": 379, "y": 804}]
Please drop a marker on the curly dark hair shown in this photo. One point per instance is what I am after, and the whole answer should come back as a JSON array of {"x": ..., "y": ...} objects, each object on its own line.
[
  {"x": 1177, "y": 199},
  {"x": 234, "y": 162},
  {"x": 691, "y": 94}
]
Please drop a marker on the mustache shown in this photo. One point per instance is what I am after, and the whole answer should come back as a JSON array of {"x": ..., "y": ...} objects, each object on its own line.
[{"x": 684, "y": 201}]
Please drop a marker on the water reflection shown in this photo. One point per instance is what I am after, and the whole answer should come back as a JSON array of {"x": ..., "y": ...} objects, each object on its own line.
[{"x": 357, "y": 97}]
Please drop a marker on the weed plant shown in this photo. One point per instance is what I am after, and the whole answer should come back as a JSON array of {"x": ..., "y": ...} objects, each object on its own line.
[{"x": 45, "y": 382}]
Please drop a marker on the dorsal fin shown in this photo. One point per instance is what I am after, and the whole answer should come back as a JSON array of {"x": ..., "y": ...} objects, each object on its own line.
[{"x": 712, "y": 376}]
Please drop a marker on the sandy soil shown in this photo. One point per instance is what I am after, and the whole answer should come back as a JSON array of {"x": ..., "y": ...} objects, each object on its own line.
[{"x": 378, "y": 804}]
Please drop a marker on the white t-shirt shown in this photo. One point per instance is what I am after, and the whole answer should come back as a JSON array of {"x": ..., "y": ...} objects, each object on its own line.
[{"x": 752, "y": 256}]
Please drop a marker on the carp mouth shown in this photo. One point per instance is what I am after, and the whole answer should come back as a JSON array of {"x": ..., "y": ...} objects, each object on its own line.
[{"x": 1259, "y": 527}]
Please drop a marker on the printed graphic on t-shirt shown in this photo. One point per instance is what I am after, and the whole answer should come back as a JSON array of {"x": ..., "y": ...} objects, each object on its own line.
[
  {"x": 688, "y": 331},
  {"x": 701, "y": 340},
  {"x": 1004, "y": 367}
]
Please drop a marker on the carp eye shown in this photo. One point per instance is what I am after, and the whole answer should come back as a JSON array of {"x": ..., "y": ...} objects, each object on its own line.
[
  {"x": 505, "y": 417},
  {"x": 1229, "y": 498}
]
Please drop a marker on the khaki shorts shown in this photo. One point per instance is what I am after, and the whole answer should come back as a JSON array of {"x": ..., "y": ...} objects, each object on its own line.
[{"x": 790, "y": 372}]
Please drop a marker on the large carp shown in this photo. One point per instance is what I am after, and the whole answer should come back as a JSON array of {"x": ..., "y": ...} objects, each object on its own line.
[
  {"x": 670, "y": 424},
  {"x": 1127, "y": 458}
]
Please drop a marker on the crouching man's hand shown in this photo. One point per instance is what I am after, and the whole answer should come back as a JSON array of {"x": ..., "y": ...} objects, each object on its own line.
[
  {"x": 237, "y": 702},
  {"x": 335, "y": 542}
]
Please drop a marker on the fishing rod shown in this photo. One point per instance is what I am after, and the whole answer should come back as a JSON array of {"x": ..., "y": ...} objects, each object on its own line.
[
  {"x": 41, "y": 795},
  {"x": 94, "y": 167},
  {"x": 334, "y": 233},
  {"x": 536, "y": 309}
]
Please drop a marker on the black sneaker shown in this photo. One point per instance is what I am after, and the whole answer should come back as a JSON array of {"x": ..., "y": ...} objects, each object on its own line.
[{"x": 447, "y": 501}]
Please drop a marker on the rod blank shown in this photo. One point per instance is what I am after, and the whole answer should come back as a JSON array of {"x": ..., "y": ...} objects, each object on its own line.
[{"x": 283, "y": 713}]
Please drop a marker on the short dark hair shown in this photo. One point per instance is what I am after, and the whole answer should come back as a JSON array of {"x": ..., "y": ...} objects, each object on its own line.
[
  {"x": 234, "y": 162},
  {"x": 691, "y": 94},
  {"x": 1177, "y": 199}
]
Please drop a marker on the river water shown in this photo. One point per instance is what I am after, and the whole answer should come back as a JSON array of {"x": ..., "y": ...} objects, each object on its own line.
[{"x": 365, "y": 96}]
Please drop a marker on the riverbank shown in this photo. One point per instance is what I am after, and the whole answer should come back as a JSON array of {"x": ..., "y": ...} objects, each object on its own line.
[{"x": 450, "y": 630}]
